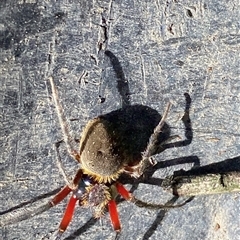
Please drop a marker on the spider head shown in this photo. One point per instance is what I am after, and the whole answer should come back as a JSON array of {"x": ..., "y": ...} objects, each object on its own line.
[{"x": 92, "y": 194}]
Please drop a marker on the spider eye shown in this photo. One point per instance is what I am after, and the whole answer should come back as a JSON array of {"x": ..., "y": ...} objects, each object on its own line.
[
  {"x": 87, "y": 181},
  {"x": 81, "y": 190}
]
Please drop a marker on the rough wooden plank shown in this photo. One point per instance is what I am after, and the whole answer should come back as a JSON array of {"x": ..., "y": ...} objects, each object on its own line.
[{"x": 165, "y": 48}]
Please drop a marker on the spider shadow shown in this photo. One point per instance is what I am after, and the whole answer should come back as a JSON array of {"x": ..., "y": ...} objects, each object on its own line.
[
  {"x": 92, "y": 221},
  {"x": 33, "y": 200},
  {"x": 223, "y": 167},
  {"x": 122, "y": 82},
  {"x": 124, "y": 92}
]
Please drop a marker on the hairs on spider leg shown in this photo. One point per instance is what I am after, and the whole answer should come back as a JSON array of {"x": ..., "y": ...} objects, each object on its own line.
[
  {"x": 61, "y": 167},
  {"x": 63, "y": 122},
  {"x": 147, "y": 161}
]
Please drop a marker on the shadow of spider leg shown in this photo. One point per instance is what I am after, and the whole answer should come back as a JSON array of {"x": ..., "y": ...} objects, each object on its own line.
[{"x": 15, "y": 215}]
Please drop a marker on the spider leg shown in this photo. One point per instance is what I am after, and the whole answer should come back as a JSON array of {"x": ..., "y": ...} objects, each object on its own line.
[
  {"x": 63, "y": 122},
  {"x": 129, "y": 197},
  {"x": 123, "y": 191},
  {"x": 71, "y": 184},
  {"x": 146, "y": 161},
  {"x": 162, "y": 146},
  {"x": 60, "y": 195},
  {"x": 67, "y": 217},
  {"x": 60, "y": 166},
  {"x": 28, "y": 212},
  {"x": 112, "y": 208},
  {"x": 154, "y": 137},
  {"x": 151, "y": 147}
]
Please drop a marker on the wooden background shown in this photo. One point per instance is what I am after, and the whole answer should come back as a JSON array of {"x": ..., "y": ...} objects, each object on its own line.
[{"x": 165, "y": 48}]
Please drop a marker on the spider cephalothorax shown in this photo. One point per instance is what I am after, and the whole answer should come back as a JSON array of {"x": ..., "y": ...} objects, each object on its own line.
[{"x": 92, "y": 194}]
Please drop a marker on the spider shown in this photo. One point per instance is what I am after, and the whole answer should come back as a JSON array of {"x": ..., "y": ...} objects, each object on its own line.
[{"x": 112, "y": 144}]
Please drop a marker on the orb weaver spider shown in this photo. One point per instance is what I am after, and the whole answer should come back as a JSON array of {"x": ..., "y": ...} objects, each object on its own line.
[{"x": 112, "y": 144}]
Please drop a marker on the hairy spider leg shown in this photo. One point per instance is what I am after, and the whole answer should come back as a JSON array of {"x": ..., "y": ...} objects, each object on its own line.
[
  {"x": 63, "y": 122},
  {"x": 146, "y": 161},
  {"x": 67, "y": 189},
  {"x": 154, "y": 137}
]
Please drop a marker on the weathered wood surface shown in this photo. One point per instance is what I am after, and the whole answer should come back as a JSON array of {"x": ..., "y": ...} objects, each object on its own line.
[{"x": 165, "y": 48}]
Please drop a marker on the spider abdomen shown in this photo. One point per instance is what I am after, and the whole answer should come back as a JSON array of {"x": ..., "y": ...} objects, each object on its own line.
[{"x": 115, "y": 140}]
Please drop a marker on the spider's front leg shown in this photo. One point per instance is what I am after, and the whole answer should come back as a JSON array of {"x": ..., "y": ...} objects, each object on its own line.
[
  {"x": 63, "y": 122},
  {"x": 146, "y": 161}
]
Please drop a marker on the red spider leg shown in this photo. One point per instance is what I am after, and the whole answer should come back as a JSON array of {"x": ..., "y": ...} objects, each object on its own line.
[
  {"x": 67, "y": 217},
  {"x": 77, "y": 177},
  {"x": 112, "y": 208},
  {"x": 60, "y": 195},
  {"x": 20, "y": 216},
  {"x": 67, "y": 189},
  {"x": 123, "y": 191}
]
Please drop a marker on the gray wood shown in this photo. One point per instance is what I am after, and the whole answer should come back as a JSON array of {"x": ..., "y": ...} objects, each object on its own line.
[{"x": 165, "y": 48}]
